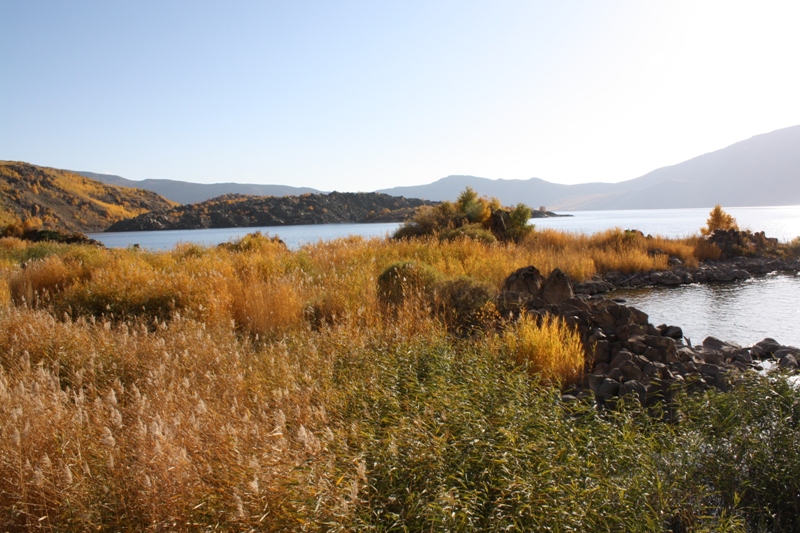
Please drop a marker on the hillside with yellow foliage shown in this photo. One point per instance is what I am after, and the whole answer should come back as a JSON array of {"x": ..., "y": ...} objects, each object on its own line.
[{"x": 68, "y": 201}]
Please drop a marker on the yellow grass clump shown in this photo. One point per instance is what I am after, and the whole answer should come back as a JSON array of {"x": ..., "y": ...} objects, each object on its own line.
[{"x": 548, "y": 346}]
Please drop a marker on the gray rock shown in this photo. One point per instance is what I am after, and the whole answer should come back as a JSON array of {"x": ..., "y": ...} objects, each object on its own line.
[
  {"x": 594, "y": 381},
  {"x": 716, "y": 345},
  {"x": 630, "y": 371},
  {"x": 621, "y": 357},
  {"x": 786, "y": 350},
  {"x": 635, "y": 388},
  {"x": 556, "y": 288},
  {"x": 635, "y": 345},
  {"x": 654, "y": 370},
  {"x": 606, "y": 389},
  {"x": 631, "y": 330},
  {"x": 711, "y": 357},
  {"x": 765, "y": 348},
  {"x": 739, "y": 274},
  {"x": 788, "y": 362},
  {"x": 523, "y": 284}
]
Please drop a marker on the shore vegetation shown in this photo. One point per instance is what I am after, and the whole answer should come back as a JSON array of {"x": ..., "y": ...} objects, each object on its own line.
[{"x": 353, "y": 385}]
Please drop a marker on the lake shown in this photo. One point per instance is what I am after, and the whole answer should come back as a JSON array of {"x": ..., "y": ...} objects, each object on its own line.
[
  {"x": 743, "y": 312},
  {"x": 293, "y": 236},
  {"x": 781, "y": 222}
]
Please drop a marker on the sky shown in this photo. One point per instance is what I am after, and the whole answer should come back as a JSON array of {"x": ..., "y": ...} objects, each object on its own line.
[{"x": 364, "y": 95}]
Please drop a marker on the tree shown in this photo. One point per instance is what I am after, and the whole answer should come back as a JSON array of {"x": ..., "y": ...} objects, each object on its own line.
[{"x": 719, "y": 220}]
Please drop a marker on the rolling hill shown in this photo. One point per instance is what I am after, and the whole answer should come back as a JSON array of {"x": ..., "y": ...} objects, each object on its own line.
[{"x": 67, "y": 201}]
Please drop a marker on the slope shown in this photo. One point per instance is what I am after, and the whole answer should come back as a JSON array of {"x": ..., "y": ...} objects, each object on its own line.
[{"x": 67, "y": 201}]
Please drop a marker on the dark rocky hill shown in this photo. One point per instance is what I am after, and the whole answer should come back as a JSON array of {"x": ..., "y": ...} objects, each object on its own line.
[
  {"x": 241, "y": 211},
  {"x": 65, "y": 201}
]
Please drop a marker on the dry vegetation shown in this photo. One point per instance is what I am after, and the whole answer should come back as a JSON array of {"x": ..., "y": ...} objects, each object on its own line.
[
  {"x": 66, "y": 201},
  {"x": 249, "y": 387}
]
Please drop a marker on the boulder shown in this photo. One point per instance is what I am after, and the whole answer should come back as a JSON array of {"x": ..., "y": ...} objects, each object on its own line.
[
  {"x": 630, "y": 371},
  {"x": 523, "y": 284},
  {"x": 788, "y": 362},
  {"x": 715, "y": 345},
  {"x": 765, "y": 348},
  {"x": 606, "y": 389},
  {"x": 673, "y": 332},
  {"x": 635, "y": 388},
  {"x": 556, "y": 288}
]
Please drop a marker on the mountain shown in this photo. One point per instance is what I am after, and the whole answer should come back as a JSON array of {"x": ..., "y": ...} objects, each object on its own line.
[
  {"x": 241, "y": 211},
  {"x": 67, "y": 201},
  {"x": 184, "y": 192},
  {"x": 760, "y": 171}
]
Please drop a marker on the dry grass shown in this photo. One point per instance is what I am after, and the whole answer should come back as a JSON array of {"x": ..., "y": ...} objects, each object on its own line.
[
  {"x": 250, "y": 387},
  {"x": 547, "y": 347}
]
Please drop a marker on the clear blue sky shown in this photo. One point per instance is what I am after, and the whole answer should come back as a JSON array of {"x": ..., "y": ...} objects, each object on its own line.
[{"x": 361, "y": 95}]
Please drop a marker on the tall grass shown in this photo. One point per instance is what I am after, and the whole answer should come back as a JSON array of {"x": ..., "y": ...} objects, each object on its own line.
[
  {"x": 549, "y": 348},
  {"x": 250, "y": 387}
]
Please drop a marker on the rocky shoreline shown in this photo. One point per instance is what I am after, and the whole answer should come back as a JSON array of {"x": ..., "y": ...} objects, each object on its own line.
[
  {"x": 626, "y": 354},
  {"x": 736, "y": 268}
]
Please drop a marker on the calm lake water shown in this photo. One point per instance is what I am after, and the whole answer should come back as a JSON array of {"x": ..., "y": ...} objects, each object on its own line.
[
  {"x": 743, "y": 312},
  {"x": 781, "y": 222},
  {"x": 293, "y": 236}
]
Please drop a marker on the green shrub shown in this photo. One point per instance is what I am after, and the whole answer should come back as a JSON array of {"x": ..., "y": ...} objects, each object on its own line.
[
  {"x": 406, "y": 279},
  {"x": 473, "y": 213},
  {"x": 471, "y": 231},
  {"x": 463, "y": 303}
]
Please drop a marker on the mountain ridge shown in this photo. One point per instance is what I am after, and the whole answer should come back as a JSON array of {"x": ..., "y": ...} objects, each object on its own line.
[
  {"x": 761, "y": 170},
  {"x": 185, "y": 192}
]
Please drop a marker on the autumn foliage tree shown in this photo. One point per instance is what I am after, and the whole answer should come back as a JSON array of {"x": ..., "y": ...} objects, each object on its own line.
[{"x": 719, "y": 220}]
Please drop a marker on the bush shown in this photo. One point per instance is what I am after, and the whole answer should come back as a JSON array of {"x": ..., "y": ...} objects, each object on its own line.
[
  {"x": 480, "y": 216},
  {"x": 470, "y": 231},
  {"x": 404, "y": 280},
  {"x": 794, "y": 247},
  {"x": 463, "y": 304}
]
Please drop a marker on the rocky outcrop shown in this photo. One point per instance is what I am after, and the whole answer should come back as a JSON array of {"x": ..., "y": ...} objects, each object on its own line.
[
  {"x": 528, "y": 285},
  {"x": 242, "y": 211},
  {"x": 63, "y": 237},
  {"x": 735, "y": 243},
  {"x": 627, "y": 355}
]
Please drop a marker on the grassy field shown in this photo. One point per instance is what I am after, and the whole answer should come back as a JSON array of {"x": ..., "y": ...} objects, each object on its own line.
[{"x": 252, "y": 388}]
